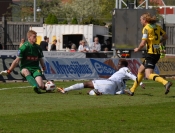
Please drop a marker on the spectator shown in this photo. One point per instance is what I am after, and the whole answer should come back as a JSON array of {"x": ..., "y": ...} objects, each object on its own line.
[
  {"x": 106, "y": 49},
  {"x": 22, "y": 42},
  {"x": 108, "y": 45},
  {"x": 73, "y": 48},
  {"x": 95, "y": 46},
  {"x": 53, "y": 46},
  {"x": 70, "y": 44},
  {"x": 1, "y": 47},
  {"x": 44, "y": 44},
  {"x": 80, "y": 42},
  {"x": 83, "y": 47}
]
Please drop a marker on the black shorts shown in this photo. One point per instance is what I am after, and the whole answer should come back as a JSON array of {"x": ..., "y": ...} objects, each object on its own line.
[{"x": 151, "y": 60}]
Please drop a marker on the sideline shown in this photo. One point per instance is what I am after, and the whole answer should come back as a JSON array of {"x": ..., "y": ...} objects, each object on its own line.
[
  {"x": 31, "y": 86},
  {"x": 14, "y": 88}
]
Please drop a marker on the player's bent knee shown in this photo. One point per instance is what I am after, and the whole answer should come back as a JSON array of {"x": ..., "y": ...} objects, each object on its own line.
[{"x": 25, "y": 72}]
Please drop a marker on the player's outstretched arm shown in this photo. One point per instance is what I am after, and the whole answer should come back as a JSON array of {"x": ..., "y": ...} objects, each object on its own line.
[
  {"x": 13, "y": 65},
  {"x": 141, "y": 45},
  {"x": 42, "y": 64}
]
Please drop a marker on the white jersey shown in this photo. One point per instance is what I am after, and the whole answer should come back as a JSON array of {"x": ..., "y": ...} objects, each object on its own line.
[
  {"x": 96, "y": 47},
  {"x": 81, "y": 47},
  {"x": 122, "y": 74},
  {"x": 115, "y": 82}
]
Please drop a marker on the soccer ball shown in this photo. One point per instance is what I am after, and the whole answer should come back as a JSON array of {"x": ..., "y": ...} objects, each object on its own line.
[{"x": 50, "y": 86}]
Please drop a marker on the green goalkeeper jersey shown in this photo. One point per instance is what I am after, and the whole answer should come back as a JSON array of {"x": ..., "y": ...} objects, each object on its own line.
[{"x": 30, "y": 55}]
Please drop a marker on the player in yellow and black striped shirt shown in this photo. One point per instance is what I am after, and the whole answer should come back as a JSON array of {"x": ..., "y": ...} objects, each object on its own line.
[{"x": 152, "y": 34}]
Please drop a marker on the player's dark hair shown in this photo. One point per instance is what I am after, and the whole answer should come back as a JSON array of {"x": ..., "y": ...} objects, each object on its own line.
[
  {"x": 45, "y": 37},
  {"x": 123, "y": 62}
]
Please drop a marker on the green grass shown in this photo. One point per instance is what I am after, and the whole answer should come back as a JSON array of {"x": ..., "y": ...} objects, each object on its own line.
[{"x": 148, "y": 111}]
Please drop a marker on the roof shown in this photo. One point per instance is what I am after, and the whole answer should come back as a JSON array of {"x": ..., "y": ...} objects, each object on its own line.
[{"x": 160, "y": 2}]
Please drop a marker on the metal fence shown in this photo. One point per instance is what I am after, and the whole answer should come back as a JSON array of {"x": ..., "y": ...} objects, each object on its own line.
[
  {"x": 11, "y": 33},
  {"x": 170, "y": 43}
]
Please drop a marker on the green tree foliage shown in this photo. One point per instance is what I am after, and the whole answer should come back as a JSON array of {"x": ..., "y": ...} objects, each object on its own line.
[
  {"x": 107, "y": 7},
  {"x": 90, "y": 11},
  {"x": 24, "y": 9},
  {"x": 91, "y": 20},
  {"x": 74, "y": 21},
  {"x": 63, "y": 22},
  {"x": 51, "y": 19},
  {"x": 81, "y": 9},
  {"x": 54, "y": 20},
  {"x": 99, "y": 10},
  {"x": 48, "y": 19},
  {"x": 54, "y": 7}
]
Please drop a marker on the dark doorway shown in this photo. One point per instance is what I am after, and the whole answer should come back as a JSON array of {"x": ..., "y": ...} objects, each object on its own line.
[{"x": 73, "y": 38}]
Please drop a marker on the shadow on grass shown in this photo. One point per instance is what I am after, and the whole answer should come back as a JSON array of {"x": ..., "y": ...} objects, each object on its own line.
[
  {"x": 47, "y": 92},
  {"x": 171, "y": 97}
]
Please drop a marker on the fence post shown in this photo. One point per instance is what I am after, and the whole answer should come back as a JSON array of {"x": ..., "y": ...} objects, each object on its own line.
[
  {"x": 4, "y": 36},
  {"x": 41, "y": 21}
]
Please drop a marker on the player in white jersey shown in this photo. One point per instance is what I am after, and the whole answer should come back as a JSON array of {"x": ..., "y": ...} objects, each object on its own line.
[{"x": 111, "y": 85}]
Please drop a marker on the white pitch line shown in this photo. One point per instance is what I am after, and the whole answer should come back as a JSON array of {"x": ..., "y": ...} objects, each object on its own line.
[{"x": 14, "y": 88}]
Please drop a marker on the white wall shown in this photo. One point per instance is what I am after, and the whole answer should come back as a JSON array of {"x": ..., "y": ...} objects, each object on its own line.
[
  {"x": 169, "y": 18},
  {"x": 57, "y": 32}
]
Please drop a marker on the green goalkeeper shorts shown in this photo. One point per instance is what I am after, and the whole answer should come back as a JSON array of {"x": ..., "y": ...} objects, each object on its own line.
[{"x": 34, "y": 72}]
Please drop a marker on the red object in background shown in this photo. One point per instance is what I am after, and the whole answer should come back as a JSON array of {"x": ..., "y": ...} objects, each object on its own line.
[
  {"x": 72, "y": 50},
  {"x": 125, "y": 55},
  {"x": 166, "y": 10}
]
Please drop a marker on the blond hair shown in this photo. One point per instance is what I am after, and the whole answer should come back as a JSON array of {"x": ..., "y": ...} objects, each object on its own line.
[
  {"x": 150, "y": 19},
  {"x": 30, "y": 32},
  {"x": 83, "y": 41}
]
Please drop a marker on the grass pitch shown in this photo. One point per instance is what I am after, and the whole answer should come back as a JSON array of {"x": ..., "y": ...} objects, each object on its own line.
[{"x": 148, "y": 111}]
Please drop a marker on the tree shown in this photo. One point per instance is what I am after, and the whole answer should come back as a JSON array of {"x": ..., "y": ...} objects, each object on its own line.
[
  {"x": 81, "y": 9},
  {"x": 107, "y": 7},
  {"x": 74, "y": 21},
  {"x": 63, "y": 22},
  {"x": 48, "y": 19},
  {"x": 99, "y": 10},
  {"x": 24, "y": 9},
  {"x": 54, "y": 20},
  {"x": 51, "y": 19},
  {"x": 91, "y": 20}
]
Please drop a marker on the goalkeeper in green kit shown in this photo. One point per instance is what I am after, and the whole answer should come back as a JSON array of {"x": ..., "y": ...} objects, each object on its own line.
[{"x": 29, "y": 56}]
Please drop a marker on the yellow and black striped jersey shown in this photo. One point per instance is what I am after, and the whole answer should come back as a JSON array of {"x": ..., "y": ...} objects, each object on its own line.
[{"x": 152, "y": 34}]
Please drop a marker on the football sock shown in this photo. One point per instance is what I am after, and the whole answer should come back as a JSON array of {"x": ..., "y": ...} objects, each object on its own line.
[
  {"x": 141, "y": 83},
  {"x": 75, "y": 87},
  {"x": 31, "y": 80},
  {"x": 157, "y": 78},
  {"x": 137, "y": 81}
]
